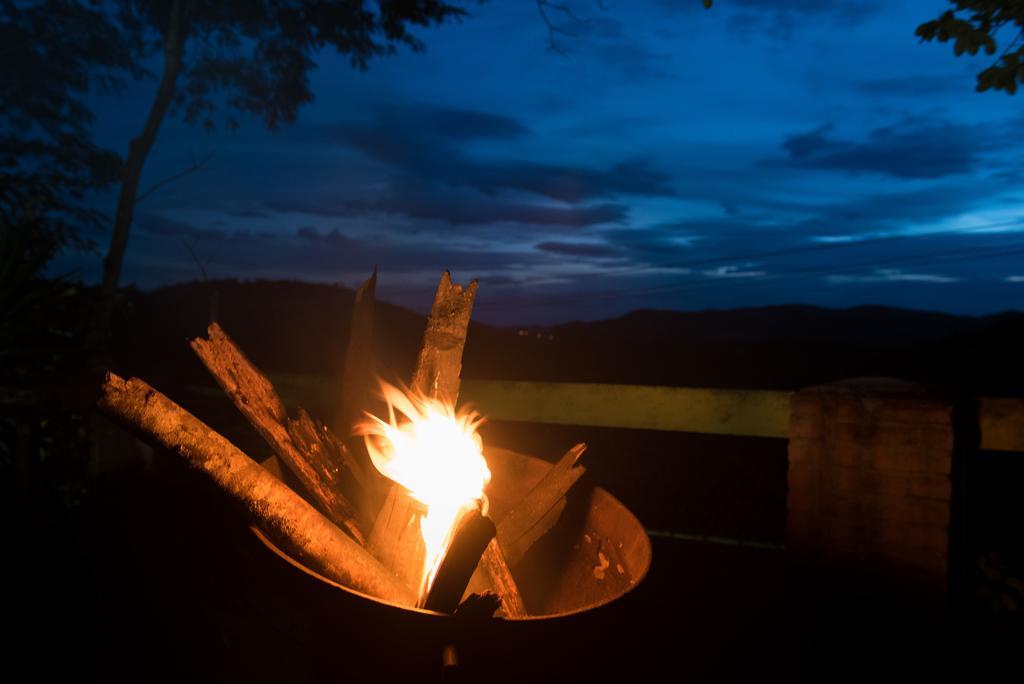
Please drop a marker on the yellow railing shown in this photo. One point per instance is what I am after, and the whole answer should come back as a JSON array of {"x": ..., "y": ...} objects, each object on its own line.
[
  {"x": 745, "y": 413},
  {"x": 740, "y": 412}
]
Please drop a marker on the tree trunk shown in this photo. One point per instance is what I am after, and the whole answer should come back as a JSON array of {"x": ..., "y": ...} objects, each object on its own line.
[{"x": 138, "y": 151}]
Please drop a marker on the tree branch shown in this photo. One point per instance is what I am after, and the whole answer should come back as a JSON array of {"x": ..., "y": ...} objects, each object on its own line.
[
  {"x": 195, "y": 257},
  {"x": 196, "y": 165},
  {"x": 554, "y": 30}
]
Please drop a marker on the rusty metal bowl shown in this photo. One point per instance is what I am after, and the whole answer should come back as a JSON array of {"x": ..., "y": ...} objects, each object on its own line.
[{"x": 570, "y": 582}]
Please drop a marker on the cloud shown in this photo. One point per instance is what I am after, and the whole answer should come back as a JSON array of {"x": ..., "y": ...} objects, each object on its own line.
[
  {"x": 429, "y": 121},
  {"x": 248, "y": 213},
  {"x": 892, "y": 275},
  {"x": 160, "y": 226},
  {"x": 580, "y": 249},
  {"x": 157, "y": 224},
  {"x": 912, "y": 86},
  {"x": 808, "y": 8},
  {"x": 781, "y": 18},
  {"x": 891, "y": 212},
  {"x": 435, "y": 154},
  {"x": 734, "y": 272},
  {"x": 458, "y": 124},
  {"x": 571, "y": 183},
  {"x": 658, "y": 240},
  {"x": 621, "y": 51},
  {"x": 914, "y": 149},
  {"x": 333, "y": 238},
  {"x": 459, "y": 209}
]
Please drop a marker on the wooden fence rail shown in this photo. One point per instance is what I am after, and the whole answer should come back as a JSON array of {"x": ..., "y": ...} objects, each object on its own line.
[
  {"x": 740, "y": 412},
  {"x": 744, "y": 413}
]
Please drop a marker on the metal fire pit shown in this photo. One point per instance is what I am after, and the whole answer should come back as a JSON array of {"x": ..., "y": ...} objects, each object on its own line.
[{"x": 570, "y": 582}]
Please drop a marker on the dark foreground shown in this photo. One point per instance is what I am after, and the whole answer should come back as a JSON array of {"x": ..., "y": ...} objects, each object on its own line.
[{"x": 154, "y": 576}]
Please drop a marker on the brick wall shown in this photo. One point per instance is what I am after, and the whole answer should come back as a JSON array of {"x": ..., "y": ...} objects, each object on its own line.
[{"x": 869, "y": 479}]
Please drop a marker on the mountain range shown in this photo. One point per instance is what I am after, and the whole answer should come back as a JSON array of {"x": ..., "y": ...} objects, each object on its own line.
[{"x": 302, "y": 328}]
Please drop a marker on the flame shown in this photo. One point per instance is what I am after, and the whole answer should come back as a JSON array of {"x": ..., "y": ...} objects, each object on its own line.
[{"x": 435, "y": 453}]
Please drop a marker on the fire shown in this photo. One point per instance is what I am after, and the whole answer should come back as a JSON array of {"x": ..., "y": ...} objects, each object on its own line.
[{"x": 435, "y": 452}]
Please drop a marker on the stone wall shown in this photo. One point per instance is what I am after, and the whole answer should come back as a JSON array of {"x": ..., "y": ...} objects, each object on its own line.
[{"x": 869, "y": 480}]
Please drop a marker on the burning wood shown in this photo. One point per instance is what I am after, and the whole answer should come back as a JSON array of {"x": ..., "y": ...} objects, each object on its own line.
[
  {"x": 282, "y": 512},
  {"x": 358, "y": 390},
  {"x": 435, "y": 389},
  {"x": 439, "y": 364},
  {"x": 320, "y": 467},
  {"x": 430, "y": 538},
  {"x": 535, "y": 515},
  {"x": 359, "y": 377},
  {"x": 474, "y": 533},
  {"x": 396, "y": 539},
  {"x": 434, "y": 456},
  {"x": 497, "y": 577},
  {"x": 438, "y": 374}
]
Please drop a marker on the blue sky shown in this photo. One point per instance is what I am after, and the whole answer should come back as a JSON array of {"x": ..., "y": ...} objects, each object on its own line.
[{"x": 763, "y": 152}]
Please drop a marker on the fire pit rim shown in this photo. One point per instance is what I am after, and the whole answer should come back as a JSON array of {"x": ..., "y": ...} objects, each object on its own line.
[{"x": 645, "y": 541}]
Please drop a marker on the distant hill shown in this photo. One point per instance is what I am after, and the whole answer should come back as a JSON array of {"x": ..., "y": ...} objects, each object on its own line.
[
  {"x": 297, "y": 327},
  {"x": 863, "y": 325}
]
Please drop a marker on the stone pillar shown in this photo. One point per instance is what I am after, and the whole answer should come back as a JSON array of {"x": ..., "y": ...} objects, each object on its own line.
[{"x": 869, "y": 481}]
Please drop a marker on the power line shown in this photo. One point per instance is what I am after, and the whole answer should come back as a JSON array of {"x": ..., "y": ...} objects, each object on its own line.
[
  {"x": 825, "y": 246},
  {"x": 755, "y": 256},
  {"x": 952, "y": 255}
]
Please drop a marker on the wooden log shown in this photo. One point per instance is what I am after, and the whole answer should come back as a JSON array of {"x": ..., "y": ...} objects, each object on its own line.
[
  {"x": 474, "y": 532},
  {"x": 395, "y": 537},
  {"x": 439, "y": 364},
  {"x": 322, "y": 470},
  {"x": 438, "y": 374},
  {"x": 478, "y": 606},
  {"x": 499, "y": 579},
  {"x": 281, "y": 512},
  {"x": 358, "y": 386},
  {"x": 359, "y": 376},
  {"x": 323, "y": 451},
  {"x": 396, "y": 540},
  {"x": 537, "y": 513}
]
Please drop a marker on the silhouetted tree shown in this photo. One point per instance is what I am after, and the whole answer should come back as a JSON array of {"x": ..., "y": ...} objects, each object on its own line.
[
  {"x": 242, "y": 57},
  {"x": 973, "y": 25},
  {"x": 52, "y": 54}
]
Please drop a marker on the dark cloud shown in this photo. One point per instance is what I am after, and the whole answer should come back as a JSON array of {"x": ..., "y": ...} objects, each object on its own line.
[
  {"x": 660, "y": 240},
  {"x": 780, "y": 18},
  {"x": 460, "y": 124},
  {"x": 158, "y": 225},
  {"x": 428, "y": 161},
  {"x": 619, "y": 51},
  {"x": 333, "y": 238},
  {"x": 482, "y": 211},
  {"x": 913, "y": 86},
  {"x": 248, "y": 213},
  {"x": 155, "y": 224},
  {"x": 461, "y": 210},
  {"x": 424, "y": 121},
  {"x": 581, "y": 249},
  {"x": 432, "y": 154},
  {"x": 892, "y": 211},
  {"x": 912, "y": 149},
  {"x": 573, "y": 184},
  {"x": 848, "y": 8}
]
